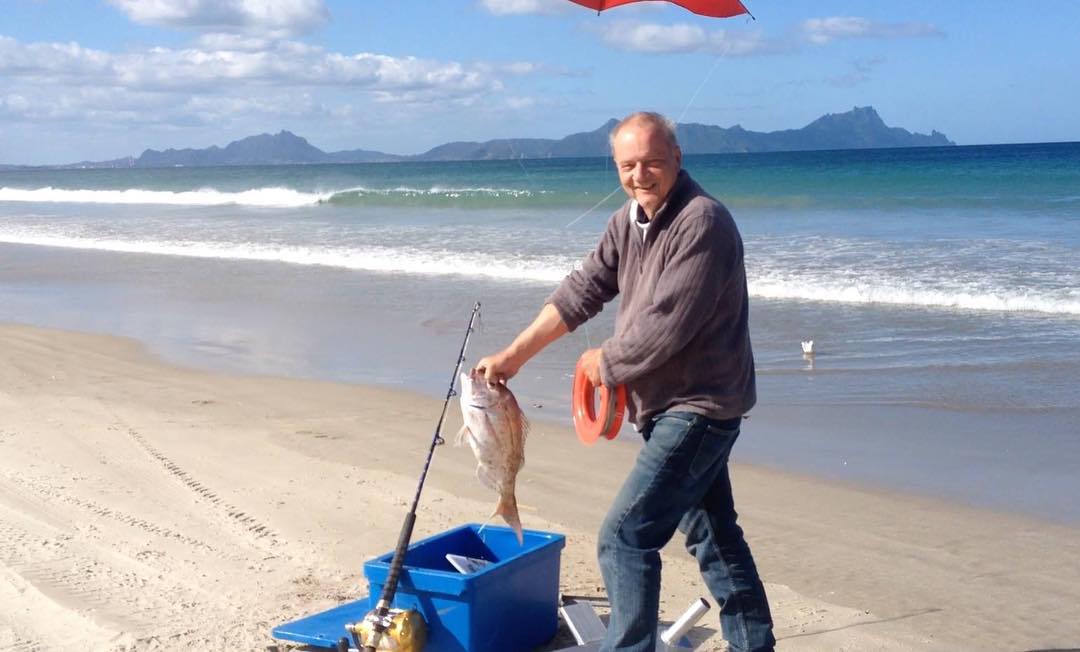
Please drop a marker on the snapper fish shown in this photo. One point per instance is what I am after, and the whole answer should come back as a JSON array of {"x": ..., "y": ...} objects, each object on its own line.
[{"x": 495, "y": 428}]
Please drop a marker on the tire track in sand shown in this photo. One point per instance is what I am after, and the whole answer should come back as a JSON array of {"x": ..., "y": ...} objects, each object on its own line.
[
  {"x": 12, "y": 640},
  {"x": 49, "y": 493},
  {"x": 86, "y": 593},
  {"x": 255, "y": 531}
]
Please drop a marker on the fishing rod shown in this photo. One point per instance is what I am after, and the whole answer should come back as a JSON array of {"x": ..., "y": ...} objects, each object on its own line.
[{"x": 379, "y": 617}]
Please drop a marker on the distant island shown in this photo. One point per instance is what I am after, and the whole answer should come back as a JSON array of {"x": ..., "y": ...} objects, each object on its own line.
[{"x": 860, "y": 128}]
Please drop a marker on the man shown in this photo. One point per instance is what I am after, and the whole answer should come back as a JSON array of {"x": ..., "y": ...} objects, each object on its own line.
[{"x": 682, "y": 349}]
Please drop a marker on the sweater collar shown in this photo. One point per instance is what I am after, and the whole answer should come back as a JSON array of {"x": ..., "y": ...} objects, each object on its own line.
[{"x": 674, "y": 203}]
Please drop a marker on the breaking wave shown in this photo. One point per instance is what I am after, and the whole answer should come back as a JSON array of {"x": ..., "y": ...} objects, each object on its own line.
[
  {"x": 549, "y": 269},
  {"x": 264, "y": 197},
  {"x": 270, "y": 197},
  {"x": 895, "y": 293}
]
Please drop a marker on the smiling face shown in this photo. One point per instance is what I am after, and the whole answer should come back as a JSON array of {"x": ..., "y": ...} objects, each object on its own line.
[{"x": 647, "y": 162}]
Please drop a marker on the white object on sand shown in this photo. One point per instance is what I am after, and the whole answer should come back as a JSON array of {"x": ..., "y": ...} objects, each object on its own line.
[{"x": 685, "y": 623}]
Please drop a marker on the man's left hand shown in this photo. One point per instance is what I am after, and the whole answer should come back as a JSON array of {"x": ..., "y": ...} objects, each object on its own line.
[{"x": 590, "y": 364}]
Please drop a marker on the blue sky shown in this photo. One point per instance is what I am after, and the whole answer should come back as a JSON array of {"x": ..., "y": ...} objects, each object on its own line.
[{"x": 92, "y": 80}]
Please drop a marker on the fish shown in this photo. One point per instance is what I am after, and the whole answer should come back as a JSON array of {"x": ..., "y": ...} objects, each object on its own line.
[{"x": 495, "y": 429}]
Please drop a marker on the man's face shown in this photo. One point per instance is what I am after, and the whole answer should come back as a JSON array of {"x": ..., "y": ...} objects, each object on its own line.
[{"x": 647, "y": 165}]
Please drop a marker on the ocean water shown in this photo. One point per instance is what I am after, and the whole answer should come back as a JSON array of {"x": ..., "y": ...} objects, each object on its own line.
[{"x": 941, "y": 287}]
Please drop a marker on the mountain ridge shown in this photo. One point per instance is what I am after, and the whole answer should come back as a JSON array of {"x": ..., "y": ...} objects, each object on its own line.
[{"x": 859, "y": 128}]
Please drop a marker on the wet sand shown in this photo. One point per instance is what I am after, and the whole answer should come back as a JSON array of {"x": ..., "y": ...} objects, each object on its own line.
[{"x": 148, "y": 506}]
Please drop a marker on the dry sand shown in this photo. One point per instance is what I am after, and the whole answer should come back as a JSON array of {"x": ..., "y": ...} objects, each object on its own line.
[{"x": 144, "y": 506}]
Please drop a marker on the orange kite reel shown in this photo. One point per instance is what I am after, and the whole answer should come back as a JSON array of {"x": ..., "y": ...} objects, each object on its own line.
[{"x": 589, "y": 424}]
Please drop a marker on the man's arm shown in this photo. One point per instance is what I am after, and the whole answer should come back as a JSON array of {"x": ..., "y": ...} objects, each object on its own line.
[{"x": 545, "y": 329}]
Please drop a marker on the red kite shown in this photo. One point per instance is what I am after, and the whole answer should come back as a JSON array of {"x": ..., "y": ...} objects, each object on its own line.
[{"x": 715, "y": 8}]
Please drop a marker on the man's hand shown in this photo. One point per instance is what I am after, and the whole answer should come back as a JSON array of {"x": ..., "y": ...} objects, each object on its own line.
[
  {"x": 498, "y": 368},
  {"x": 590, "y": 364}
]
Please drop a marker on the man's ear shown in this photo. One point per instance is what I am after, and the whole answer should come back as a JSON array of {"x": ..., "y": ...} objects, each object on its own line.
[{"x": 678, "y": 156}]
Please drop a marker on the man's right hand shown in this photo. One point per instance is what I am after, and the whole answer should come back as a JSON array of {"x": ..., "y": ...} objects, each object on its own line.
[{"x": 498, "y": 368}]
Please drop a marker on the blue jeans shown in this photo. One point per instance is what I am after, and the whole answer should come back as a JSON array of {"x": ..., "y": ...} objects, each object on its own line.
[{"x": 680, "y": 480}]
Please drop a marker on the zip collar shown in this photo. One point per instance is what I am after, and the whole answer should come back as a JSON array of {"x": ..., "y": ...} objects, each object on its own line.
[{"x": 671, "y": 206}]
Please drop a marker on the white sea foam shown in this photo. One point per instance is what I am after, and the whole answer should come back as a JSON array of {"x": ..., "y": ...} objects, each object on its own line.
[
  {"x": 409, "y": 191},
  {"x": 270, "y": 197},
  {"x": 551, "y": 269},
  {"x": 265, "y": 197},
  {"x": 374, "y": 259},
  {"x": 871, "y": 291}
]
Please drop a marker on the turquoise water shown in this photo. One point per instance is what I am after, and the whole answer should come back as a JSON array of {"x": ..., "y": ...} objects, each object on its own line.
[
  {"x": 1028, "y": 177},
  {"x": 991, "y": 228},
  {"x": 942, "y": 279}
]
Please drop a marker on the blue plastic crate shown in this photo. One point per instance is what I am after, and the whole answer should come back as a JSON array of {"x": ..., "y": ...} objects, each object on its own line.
[{"x": 511, "y": 605}]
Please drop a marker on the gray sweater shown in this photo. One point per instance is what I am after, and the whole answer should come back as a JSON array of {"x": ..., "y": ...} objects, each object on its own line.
[{"x": 681, "y": 338}]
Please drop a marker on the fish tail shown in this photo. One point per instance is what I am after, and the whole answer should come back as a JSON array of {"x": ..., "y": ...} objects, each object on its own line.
[{"x": 508, "y": 509}]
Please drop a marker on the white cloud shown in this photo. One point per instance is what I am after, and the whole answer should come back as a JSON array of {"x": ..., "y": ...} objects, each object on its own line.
[
  {"x": 50, "y": 58},
  {"x": 658, "y": 38},
  {"x": 117, "y": 108},
  {"x": 258, "y": 17},
  {"x": 511, "y": 7},
  {"x": 14, "y": 106},
  {"x": 237, "y": 42},
  {"x": 651, "y": 38},
  {"x": 281, "y": 63},
  {"x": 51, "y": 104},
  {"x": 515, "y": 68},
  {"x": 824, "y": 30},
  {"x": 239, "y": 84},
  {"x": 680, "y": 37}
]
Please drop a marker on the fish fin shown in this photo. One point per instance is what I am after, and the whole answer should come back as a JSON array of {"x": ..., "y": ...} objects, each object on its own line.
[
  {"x": 519, "y": 422},
  {"x": 508, "y": 509},
  {"x": 523, "y": 428},
  {"x": 462, "y": 435},
  {"x": 486, "y": 478}
]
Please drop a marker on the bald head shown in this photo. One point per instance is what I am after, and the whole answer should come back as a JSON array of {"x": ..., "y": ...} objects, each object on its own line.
[{"x": 664, "y": 127}]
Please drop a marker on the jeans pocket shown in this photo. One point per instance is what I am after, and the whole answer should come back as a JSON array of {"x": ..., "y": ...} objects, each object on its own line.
[
  {"x": 687, "y": 447},
  {"x": 704, "y": 458},
  {"x": 713, "y": 447}
]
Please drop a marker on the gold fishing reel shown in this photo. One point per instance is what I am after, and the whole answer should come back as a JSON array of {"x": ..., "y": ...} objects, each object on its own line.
[{"x": 405, "y": 630}]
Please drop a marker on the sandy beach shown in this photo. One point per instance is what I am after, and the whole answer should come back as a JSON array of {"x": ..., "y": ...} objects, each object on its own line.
[{"x": 147, "y": 506}]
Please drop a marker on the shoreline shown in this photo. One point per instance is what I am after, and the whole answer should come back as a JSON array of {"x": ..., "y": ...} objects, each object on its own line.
[
  {"x": 958, "y": 454},
  {"x": 148, "y": 504}
]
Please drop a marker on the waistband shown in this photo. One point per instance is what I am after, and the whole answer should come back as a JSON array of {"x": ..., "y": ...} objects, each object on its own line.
[
  {"x": 689, "y": 417},
  {"x": 726, "y": 424}
]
